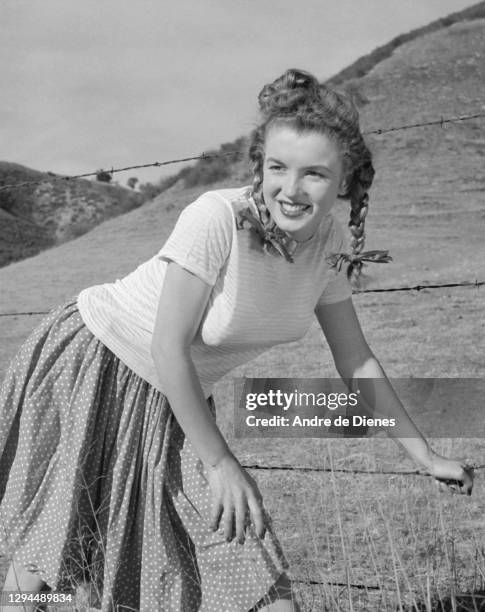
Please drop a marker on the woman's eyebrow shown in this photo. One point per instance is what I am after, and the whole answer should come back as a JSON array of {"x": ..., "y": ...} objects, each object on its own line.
[
  {"x": 313, "y": 167},
  {"x": 319, "y": 167}
]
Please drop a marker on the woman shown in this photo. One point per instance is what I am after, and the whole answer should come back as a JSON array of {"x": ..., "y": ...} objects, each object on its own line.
[{"x": 111, "y": 394}]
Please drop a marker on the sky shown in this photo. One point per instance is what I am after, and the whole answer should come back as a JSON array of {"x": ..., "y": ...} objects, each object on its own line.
[{"x": 110, "y": 83}]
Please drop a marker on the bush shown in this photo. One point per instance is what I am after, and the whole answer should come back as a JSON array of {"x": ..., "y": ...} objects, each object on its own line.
[
  {"x": 7, "y": 200},
  {"x": 217, "y": 166},
  {"x": 103, "y": 176},
  {"x": 208, "y": 170},
  {"x": 149, "y": 191}
]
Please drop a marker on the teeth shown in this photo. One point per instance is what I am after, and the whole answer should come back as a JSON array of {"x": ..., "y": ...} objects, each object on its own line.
[{"x": 293, "y": 207}]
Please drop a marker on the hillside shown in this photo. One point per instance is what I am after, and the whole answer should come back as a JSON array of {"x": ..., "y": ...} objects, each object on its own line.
[
  {"x": 366, "y": 63},
  {"x": 34, "y": 217}
]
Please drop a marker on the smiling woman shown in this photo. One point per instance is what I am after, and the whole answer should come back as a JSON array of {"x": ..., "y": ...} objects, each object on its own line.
[
  {"x": 110, "y": 397},
  {"x": 310, "y": 151}
]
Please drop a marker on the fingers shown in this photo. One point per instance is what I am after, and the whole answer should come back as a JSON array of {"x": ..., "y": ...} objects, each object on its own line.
[
  {"x": 230, "y": 519},
  {"x": 256, "y": 510},
  {"x": 237, "y": 518},
  {"x": 233, "y": 519},
  {"x": 240, "y": 521},
  {"x": 468, "y": 480},
  {"x": 451, "y": 486},
  {"x": 222, "y": 518},
  {"x": 236, "y": 502},
  {"x": 228, "y": 522},
  {"x": 461, "y": 486},
  {"x": 216, "y": 513}
]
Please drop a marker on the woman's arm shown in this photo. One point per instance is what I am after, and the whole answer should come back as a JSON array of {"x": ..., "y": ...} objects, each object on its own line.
[
  {"x": 182, "y": 303},
  {"x": 354, "y": 360}
]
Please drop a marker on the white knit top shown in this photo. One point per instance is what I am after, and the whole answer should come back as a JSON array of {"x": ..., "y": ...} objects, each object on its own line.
[{"x": 258, "y": 299}]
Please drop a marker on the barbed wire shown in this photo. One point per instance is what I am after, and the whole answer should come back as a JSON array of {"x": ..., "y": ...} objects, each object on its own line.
[
  {"x": 24, "y": 314},
  {"x": 378, "y": 131},
  {"x": 441, "y": 122},
  {"x": 52, "y": 177},
  {"x": 351, "y": 585},
  {"x": 475, "y": 283},
  {"x": 291, "y": 468}
]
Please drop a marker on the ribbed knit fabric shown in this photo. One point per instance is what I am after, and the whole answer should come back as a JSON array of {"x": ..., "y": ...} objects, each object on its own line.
[{"x": 257, "y": 300}]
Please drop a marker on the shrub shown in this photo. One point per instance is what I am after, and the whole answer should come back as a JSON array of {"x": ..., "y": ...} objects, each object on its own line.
[{"x": 103, "y": 176}]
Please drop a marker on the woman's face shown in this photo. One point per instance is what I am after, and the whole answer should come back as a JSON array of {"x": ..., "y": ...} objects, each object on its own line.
[{"x": 302, "y": 175}]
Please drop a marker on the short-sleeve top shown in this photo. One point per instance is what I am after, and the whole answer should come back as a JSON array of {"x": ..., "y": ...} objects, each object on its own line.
[{"x": 257, "y": 298}]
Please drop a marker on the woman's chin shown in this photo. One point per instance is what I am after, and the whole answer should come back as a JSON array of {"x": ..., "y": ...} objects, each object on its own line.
[{"x": 298, "y": 229}]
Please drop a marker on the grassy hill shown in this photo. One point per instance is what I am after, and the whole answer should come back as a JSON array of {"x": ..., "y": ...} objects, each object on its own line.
[
  {"x": 366, "y": 63},
  {"x": 35, "y": 217},
  {"x": 428, "y": 208}
]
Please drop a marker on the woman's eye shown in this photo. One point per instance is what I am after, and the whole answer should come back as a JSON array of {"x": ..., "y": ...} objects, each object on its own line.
[
  {"x": 315, "y": 173},
  {"x": 276, "y": 168}
]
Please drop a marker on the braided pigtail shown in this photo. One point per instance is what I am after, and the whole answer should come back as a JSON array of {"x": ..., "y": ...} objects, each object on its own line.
[
  {"x": 359, "y": 207},
  {"x": 358, "y": 159},
  {"x": 358, "y": 212},
  {"x": 256, "y": 155}
]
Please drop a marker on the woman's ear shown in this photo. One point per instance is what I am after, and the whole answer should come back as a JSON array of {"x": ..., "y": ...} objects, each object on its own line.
[{"x": 343, "y": 187}]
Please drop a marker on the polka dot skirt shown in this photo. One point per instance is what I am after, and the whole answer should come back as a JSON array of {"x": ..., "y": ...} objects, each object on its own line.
[{"x": 99, "y": 484}]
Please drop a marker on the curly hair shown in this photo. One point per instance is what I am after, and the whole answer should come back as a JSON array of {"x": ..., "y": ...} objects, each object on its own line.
[{"x": 298, "y": 99}]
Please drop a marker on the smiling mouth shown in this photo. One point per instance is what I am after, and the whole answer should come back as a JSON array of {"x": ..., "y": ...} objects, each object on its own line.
[{"x": 293, "y": 210}]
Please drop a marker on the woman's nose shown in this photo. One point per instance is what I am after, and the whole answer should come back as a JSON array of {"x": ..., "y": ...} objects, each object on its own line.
[{"x": 291, "y": 187}]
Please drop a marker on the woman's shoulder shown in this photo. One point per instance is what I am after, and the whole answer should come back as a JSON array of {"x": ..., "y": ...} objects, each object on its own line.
[
  {"x": 211, "y": 217},
  {"x": 223, "y": 201}
]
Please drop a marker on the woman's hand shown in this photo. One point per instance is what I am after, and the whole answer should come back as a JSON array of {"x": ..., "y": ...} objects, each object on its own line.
[
  {"x": 235, "y": 496},
  {"x": 456, "y": 475}
]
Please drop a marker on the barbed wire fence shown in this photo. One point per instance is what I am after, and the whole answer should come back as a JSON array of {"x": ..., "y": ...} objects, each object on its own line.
[
  {"x": 417, "y": 288},
  {"x": 442, "y": 121}
]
